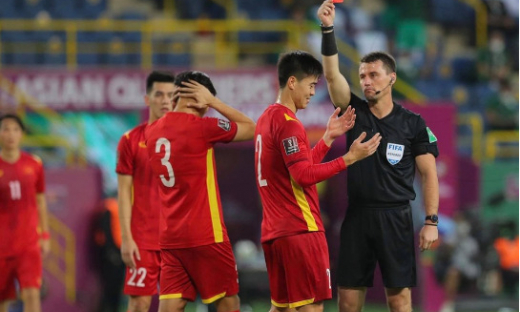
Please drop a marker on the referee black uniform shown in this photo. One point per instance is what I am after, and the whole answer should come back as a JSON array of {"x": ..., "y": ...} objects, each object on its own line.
[{"x": 378, "y": 223}]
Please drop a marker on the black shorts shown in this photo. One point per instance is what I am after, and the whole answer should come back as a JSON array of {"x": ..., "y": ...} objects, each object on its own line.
[{"x": 384, "y": 236}]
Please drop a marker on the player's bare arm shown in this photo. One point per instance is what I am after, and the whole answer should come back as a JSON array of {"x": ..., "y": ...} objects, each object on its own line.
[
  {"x": 337, "y": 126},
  {"x": 129, "y": 248},
  {"x": 44, "y": 223},
  {"x": 337, "y": 85},
  {"x": 360, "y": 150},
  {"x": 430, "y": 186},
  {"x": 204, "y": 98}
]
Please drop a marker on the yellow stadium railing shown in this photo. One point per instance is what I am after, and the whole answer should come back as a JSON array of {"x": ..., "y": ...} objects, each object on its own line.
[
  {"x": 502, "y": 144},
  {"x": 74, "y": 156},
  {"x": 61, "y": 262},
  {"x": 223, "y": 40},
  {"x": 474, "y": 122},
  {"x": 481, "y": 21}
]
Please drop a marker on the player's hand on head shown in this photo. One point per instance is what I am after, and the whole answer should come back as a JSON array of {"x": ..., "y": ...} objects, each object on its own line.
[
  {"x": 361, "y": 150},
  {"x": 194, "y": 90},
  {"x": 129, "y": 252},
  {"x": 326, "y": 13},
  {"x": 428, "y": 235}
]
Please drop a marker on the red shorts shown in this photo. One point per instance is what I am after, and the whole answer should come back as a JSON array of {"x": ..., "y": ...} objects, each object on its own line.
[
  {"x": 143, "y": 280},
  {"x": 209, "y": 270},
  {"x": 26, "y": 268},
  {"x": 298, "y": 268}
]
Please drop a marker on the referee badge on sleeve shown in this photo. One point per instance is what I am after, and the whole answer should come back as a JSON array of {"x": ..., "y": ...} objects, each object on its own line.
[
  {"x": 394, "y": 153},
  {"x": 290, "y": 145}
]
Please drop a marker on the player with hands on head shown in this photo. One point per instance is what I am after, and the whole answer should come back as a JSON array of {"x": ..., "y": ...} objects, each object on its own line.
[
  {"x": 138, "y": 198},
  {"x": 378, "y": 224},
  {"x": 287, "y": 170},
  {"x": 195, "y": 250}
]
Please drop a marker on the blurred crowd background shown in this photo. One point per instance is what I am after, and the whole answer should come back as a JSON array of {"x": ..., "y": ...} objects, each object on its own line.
[{"x": 75, "y": 71}]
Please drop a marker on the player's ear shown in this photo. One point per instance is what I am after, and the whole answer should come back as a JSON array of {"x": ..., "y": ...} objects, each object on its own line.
[
  {"x": 147, "y": 100},
  {"x": 291, "y": 82}
]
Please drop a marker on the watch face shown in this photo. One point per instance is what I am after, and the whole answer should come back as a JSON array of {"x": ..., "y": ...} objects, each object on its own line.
[{"x": 433, "y": 218}]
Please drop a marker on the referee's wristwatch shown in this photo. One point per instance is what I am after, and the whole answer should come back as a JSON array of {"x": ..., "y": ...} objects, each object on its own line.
[{"x": 433, "y": 218}]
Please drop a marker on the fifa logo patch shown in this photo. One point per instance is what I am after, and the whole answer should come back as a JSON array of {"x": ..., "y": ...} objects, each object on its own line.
[
  {"x": 394, "y": 153},
  {"x": 290, "y": 145},
  {"x": 224, "y": 124}
]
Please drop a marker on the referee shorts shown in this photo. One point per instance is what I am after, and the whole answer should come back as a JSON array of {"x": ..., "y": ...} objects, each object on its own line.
[{"x": 384, "y": 236}]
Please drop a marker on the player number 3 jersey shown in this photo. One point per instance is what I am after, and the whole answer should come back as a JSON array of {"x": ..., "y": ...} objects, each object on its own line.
[{"x": 181, "y": 153}]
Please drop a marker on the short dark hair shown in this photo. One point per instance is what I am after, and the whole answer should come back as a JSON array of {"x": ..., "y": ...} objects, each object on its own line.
[
  {"x": 387, "y": 59},
  {"x": 299, "y": 64},
  {"x": 158, "y": 76},
  {"x": 197, "y": 76},
  {"x": 13, "y": 117}
]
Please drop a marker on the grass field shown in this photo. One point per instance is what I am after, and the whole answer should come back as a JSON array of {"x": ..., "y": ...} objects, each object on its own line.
[{"x": 330, "y": 306}]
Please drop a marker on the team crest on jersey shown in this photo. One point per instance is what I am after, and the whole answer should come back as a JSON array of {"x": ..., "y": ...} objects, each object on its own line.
[
  {"x": 28, "y": 170},
  {"x": 224, "y": 124},
  {"x": 394, "y": 153},
  {"x": 290, "y": 145},
  {"x": 1, "y": 173}
]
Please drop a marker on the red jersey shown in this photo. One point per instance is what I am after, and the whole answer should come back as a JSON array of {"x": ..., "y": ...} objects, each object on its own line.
[
  {"x": 287, "y": 171},
  {"x": 20, "y": 182},
  {"x": 180, "y": 147},
  {"x": 132, "y": 159}
]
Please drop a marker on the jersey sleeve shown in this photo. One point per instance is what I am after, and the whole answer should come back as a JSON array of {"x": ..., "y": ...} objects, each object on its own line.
[
  {"x": 319, "y": 151},
  {"x": 294, "y": 148},
  {"x": 218, "y": 130},
  {"x": 40, "y": 179},
  {"x": 125, "y": 164},
  {"x": 424, "y": 141}
]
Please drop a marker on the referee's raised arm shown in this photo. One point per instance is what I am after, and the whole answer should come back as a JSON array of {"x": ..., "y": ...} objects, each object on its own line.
[{"x": 337, "y": 85}]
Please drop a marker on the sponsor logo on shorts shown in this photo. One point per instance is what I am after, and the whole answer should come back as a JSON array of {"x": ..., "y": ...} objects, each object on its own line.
[
  {"x": 394, "y": 153},
  {"x": 224, "y": 124},
  {"x": 291, "y": 145}
]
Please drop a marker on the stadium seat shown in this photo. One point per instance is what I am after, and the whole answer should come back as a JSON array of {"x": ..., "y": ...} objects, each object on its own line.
[
  {"x": 10, "y": 9},
  {"x": 464, "y": 69},
  {"x": 452, "y": 13}
]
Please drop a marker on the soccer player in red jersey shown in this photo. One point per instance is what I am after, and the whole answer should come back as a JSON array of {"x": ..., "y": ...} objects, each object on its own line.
[
  {"x": 287, "y": 170},
  {"x": 138, "y": 199},
  {"x": 195, "y": 249},
  {"x": 24, "y": 230}
]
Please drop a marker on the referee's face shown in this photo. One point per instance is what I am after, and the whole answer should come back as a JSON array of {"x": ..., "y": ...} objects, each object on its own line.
[{"x": 374, "y": 80}]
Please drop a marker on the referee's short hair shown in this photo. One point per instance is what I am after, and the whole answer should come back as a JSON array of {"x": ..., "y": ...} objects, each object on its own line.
[
  {"x": 387, "y": 59},
  {"x": 14, "y": 117}
]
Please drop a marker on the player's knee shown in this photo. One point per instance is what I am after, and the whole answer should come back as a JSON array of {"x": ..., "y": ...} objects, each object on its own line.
[
  {"x": 172, "y": 305},
  {"x": 399, "y": 304},
  {"x": 228, "y": 304},
  {"x": 30, "y": 295},
  {"x": 350, "y": 306},
  {"x": 139, "y": 303}
]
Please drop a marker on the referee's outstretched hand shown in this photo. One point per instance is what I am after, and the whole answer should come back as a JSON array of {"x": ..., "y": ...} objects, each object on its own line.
[{"x": 360, "y": 150}]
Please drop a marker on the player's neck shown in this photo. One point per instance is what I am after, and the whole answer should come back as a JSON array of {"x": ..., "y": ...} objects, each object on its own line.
[
  {"x": 10, "y": 155},
  {"x": 381, "y": 108},
  {"x": 187, "y": 110},
  {"x": 285, "y": 99}
]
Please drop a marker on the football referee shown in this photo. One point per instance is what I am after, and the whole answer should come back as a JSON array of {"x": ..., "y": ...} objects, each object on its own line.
[{"x": 378, "y": 224}]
